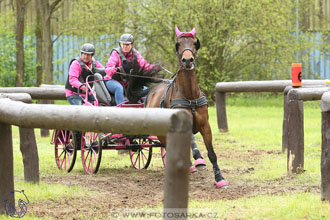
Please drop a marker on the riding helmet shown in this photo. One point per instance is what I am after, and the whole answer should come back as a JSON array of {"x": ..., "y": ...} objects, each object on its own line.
[
  {"x": 126, "y": 39},
  {"x": 88, "y": 48}
]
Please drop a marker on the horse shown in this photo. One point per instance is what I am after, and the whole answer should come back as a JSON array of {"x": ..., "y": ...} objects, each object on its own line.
[{"x": 183, "y": 92}]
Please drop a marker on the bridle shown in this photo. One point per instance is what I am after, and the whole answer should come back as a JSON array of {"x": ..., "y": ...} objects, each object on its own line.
[{"x": 179, "y": 55}]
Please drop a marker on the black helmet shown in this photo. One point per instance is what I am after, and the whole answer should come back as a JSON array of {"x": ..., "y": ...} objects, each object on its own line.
[
  {"x": 126, "y": 39},
  {"x": 88, "y": 48}
]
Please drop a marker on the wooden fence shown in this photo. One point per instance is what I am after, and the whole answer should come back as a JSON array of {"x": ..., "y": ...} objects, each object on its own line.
[
  {"x": 325, "y": 154},
  {"x": 176, "y": 124},
  {"x": 293, "y": 129},
  {"x": 222, "y": 88}
]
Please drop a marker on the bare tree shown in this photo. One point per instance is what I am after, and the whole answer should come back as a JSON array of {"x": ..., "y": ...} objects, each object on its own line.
[
  {"x": 20, "y": 12},
  {"x": 47, "y": 8},
  {"x": 38, "y": 33}
]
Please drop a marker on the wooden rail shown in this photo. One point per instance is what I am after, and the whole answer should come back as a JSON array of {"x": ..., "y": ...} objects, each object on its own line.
[
  {"x": 222, "y": 88},
  {"x": 175, "y": 124}
]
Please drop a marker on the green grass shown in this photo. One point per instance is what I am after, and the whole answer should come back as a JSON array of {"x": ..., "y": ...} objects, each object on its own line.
[
  {"x": 253, "y": 141},
  {"x": 286, "y": 206}
]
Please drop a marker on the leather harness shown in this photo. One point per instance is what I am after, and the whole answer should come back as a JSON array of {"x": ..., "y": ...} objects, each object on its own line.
[{"x": 183, "y": 102}]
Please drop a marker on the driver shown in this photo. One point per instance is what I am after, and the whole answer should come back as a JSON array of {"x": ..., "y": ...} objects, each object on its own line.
[
  {"x": 80, "y": 68},
  {"x": 121, "y": 60}
]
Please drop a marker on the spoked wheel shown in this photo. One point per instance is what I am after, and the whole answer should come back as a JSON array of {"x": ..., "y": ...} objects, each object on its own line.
[
  {"x": 140, "y": 155},
  {"x": 65, "y": 149},
  {"x": 163, "y": 153},
  {"x": 91, "y": 152}
]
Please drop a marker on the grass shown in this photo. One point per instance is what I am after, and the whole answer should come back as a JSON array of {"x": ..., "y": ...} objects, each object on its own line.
[
  {"x": 287, "y": 206},
  {"x": 253, "y": 141}
]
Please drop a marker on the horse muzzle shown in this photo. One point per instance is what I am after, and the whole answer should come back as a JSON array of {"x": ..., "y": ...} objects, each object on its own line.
[{"x": 188, "y": 63}]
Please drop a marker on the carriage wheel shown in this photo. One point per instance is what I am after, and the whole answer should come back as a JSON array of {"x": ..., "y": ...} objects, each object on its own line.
[
  {"x": 140, "y": 157},
  {"x": 91, "y": 152},
  {"x": 163, "y": 153},
  {"x": 65, "y": 149}
]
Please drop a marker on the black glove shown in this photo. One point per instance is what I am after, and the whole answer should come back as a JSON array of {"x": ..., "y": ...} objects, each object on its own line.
[{"x": 120, "y": 69}]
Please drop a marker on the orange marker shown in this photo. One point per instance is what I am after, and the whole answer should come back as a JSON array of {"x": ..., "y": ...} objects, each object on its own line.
[{"x": 296, "y": 75}]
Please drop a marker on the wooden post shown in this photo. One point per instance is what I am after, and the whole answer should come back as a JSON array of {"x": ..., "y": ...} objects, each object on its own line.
[
  {"x": 177, "y": 165},
  {"x": 295, "y": 159},
  {"x": 285, "y": 120},
  {"x": 325, "y": 154},
  {"x": 28, "y": 147},
  {"x": 220, "y": 99},
  {"x": 325, "y": 157},
  {"x": 6, "y": 166}
]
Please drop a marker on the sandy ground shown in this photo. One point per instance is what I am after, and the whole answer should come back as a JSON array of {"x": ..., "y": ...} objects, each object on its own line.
[{"x": 130, "y": 188}]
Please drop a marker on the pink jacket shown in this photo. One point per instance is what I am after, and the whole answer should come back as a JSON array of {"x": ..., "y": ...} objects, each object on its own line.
[
  {"x": 75, "y": 72},
  {"x": 114, "y": 61}
]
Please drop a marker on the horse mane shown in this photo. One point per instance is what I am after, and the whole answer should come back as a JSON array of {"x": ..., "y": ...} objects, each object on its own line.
[{"x": 135, "y": 90}]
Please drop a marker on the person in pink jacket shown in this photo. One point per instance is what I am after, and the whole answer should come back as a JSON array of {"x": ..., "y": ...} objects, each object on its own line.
[
  {"x": 80, "y": 68},
  {"x": 121, "y": 60}
]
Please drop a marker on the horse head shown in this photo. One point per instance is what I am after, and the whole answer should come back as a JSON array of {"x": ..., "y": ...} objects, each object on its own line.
[{"x": 186, "y": 48}]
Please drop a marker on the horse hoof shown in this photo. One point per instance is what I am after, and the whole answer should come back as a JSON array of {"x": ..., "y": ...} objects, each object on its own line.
[
  {"x": 222, "y": 184},
  {"x": 193, "y": 169},
  {"x": 200, "y": 164}
]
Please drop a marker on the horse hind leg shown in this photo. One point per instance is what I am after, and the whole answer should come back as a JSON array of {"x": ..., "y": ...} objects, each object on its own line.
[{"x": 199, "y": 161}]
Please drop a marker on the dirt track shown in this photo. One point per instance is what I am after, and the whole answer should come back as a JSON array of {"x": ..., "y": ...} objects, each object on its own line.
[{"x": 128, "y": 188}]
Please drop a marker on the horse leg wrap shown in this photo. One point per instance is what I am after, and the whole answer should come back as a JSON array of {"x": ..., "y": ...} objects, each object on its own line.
[
  {"x": 217, "y": 174},
  {"x": 195, "y": 150}
]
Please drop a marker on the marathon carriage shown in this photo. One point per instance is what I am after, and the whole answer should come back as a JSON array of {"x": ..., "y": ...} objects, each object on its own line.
[{"x": 91, "y": 144}]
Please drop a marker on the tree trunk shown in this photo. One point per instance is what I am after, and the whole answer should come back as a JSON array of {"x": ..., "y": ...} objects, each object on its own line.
[
  {"x": 20, "y": 11},
  {"x": 46, "y": 11},
  {"x": 47, "y": 41},
  {"x": 38, "y": 32}
]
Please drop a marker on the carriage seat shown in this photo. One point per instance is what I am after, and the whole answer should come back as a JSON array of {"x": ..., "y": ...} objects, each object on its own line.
[{"x": 102, "y": 92}]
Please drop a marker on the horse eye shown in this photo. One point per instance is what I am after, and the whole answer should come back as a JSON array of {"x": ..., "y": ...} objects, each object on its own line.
[{"x": 177, "y": 45}]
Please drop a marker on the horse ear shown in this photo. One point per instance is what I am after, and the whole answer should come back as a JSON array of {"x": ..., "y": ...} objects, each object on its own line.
[
  {"x": 177, "y": 31},
  {"x": 197, "y": 44}
]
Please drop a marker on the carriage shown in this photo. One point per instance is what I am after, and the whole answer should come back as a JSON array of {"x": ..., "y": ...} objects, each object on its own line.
[
  {"x": 91, "y": 144},
  {"x": 181, "y": 92}
]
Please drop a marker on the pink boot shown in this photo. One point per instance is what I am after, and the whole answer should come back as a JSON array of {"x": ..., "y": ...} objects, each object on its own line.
[
  {"x": 222, "y": 184},
  {"x": 200, "y": 164},
  {"x": 193, "y": 169}
]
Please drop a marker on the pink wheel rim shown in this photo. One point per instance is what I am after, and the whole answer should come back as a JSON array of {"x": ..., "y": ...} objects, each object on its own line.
[
  {"x": 89, "y": 154},
  {"x": 62, "y": 155}
]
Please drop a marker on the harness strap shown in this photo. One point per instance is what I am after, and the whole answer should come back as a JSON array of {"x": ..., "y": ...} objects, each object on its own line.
[
  {"x": 163, "y": 99},
  {"x": 192, "y": 104},
  {"x": 183, "y": 102}
]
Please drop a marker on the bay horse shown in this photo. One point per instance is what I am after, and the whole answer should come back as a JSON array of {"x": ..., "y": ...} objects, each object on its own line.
[{"x": 183, "y": 92}]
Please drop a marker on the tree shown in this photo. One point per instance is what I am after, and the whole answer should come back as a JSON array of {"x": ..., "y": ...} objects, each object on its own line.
[
  {"x": 20, "y": 13},
  {"x": 89, "y": 20},
  {"x": 38, "y": 34},
  {"x": 240, "y": 40},
  {"x": 47, "y": 8}
]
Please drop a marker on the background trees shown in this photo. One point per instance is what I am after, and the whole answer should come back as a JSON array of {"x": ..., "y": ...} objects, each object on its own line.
[{"x": 240, "y": 40}]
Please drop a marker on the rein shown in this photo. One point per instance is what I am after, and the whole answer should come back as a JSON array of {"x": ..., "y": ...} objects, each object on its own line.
[{"x": 146, "y": 77}]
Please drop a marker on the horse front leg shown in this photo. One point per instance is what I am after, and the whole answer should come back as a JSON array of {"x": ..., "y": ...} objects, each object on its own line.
[
  {"x": 207, "y": 137},
  {"x": 199, "y": 160}
]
